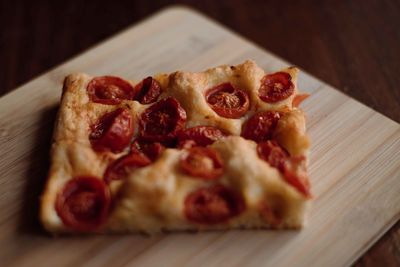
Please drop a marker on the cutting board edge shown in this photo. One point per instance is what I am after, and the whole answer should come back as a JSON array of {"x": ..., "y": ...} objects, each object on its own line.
[
  {"x": 194, "y": 12},
  {"x": 373, "y": 240},
  {"x": 186, "y": 10}
]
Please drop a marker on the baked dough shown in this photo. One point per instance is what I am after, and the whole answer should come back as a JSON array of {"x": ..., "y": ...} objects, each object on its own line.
[{"x": 151, "y": 198}]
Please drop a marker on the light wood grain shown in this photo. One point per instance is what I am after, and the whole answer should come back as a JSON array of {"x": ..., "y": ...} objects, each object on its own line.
[{"x": 355, "y": 163}]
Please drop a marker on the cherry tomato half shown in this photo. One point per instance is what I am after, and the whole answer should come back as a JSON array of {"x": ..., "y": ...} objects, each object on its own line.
[
  {"x": 227, "y": 101},
  {"x": 213, "y": 205},
  {"x": 199, "y": 136},
  {"x": 202, "y": 162},
  {"x": 151, "y": 149},
  {"x": 162, "y": 121},
  {"x": 276, "y": 87},
  {"x": 260, "y": 126},
  {"x": 118, "y": 169},
  {"x": 113, "y": 131},
  {"x": 273, "y": 153},
  {"x": 147, "y": 91},
  {"x": 109, "y": 90},
  {"x": 83, "y": 203}
]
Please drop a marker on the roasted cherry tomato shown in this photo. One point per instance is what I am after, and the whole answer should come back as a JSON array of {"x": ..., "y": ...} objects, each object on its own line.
[
  {"x": 147, "y": 91},
  {"x": 298, "y": 99},
  {"x": 151, "y": 149},
  {"x": 109, "y": 90},
  {"x": 118, "y": 169},
  {"x": 162, "y": 121},
  {"x": 293, "y": 168},
  {"x": 227, "y": 101},
  {"x": 276, "y": 87},
  {"x": 113, "y": 131},
  {"x": 295, "y": 172},
  {"x": 273, "y": 153},
  {"x": 213, "y": 205},
  {"x": 202, "y": 162},
  {"x": 260, "y": 126},
  {"x": 199, "y": 136},
  {"x": 83, "y": 203}
]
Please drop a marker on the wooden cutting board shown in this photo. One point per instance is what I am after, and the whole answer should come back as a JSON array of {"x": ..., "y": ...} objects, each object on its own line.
[{"x": 355, "y": 162}]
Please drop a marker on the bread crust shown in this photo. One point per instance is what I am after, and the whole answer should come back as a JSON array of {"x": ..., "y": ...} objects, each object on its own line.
[{"x": 149, "y": 202}]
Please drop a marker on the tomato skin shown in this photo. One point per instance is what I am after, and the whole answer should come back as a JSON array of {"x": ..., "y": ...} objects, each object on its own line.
[
  {"x": 120, "y": 167},
  {"x": 295, "y": 172},
  {"x": 199, "y": 136},
  {"x": 213, "y": 205},
  {"x": 113, "y": 131},
  {"x": 292, "y": 168},
  {"x": 298, "y": 99},
  {"x": 109, "y": 90},
  {"x": 273, "y": 153},
  {"x": 147, "y": 91},
  {"x": 162, "y": 121},
  {"x": 151, "y": 149},
  {"x": 83, "y": 203},
  {"x": 260, "y": 126},
  {"x": 276, "y": 87},
  {"x": 227, "y": 101},
  {"x": 202, "y": 162}
]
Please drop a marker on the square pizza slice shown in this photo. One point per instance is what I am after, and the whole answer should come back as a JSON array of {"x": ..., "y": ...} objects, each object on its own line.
[{"x": 220, "y": 149}]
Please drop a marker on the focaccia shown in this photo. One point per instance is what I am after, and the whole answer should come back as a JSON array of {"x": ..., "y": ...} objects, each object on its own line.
[{"x": 220, "y": 149}]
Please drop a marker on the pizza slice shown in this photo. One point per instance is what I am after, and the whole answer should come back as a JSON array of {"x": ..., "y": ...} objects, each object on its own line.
[{"x": 220, "y": 149}]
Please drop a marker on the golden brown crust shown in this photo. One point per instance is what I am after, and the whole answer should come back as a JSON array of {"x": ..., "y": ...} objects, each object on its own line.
[{"x": 149, "y": 202}]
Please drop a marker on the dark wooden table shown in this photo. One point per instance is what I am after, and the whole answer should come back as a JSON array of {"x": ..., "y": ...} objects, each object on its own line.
[{"x": 353, "y": 45}]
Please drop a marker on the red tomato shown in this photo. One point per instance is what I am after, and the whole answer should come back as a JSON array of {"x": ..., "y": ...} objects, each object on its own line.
[
  {"x": 227, "y": 101},
  {"x": 276, "y": 87},
  {"x": 199, "y": 136},
  {"x": 113, "y": 131},
  {"x": 147, "y": 91},
  {"x": 298, "y": 99},
  {"x": 202, "y": 162},
  {"x": 162, "y": 121},
  {"x": 213, "y": 205},
  {"x": 150, "y": 149},
  {"x": 273, "y": 153},
  {"x": 293, "y": 168},
  {"x": 295, "y": 173},
  {"x": 118, "y": 169},
  {"x": 83, "y": 203},
  {"x": 260, "y": 126},
  {"x": 109, "y": 90}
]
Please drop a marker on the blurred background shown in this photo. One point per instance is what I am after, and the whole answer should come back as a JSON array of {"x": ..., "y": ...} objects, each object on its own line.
[{"x": 352, "y": 45}]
